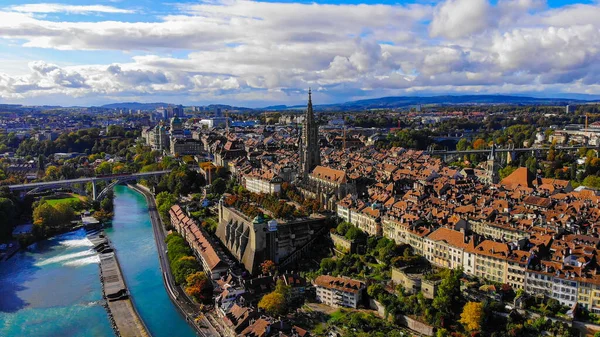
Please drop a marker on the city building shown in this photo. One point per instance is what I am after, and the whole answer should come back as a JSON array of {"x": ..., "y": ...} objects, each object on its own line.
[
  {"x": 252, "y": 241},
  {"x": 265, "y": 182},
  {"x": 339, "y": 291},
  {"x": 202, "y": 247},
  {"x": 186, "y": 146}
]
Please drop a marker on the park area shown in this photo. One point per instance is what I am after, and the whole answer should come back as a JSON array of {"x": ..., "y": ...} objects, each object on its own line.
[{"x": 65, "y": 199}]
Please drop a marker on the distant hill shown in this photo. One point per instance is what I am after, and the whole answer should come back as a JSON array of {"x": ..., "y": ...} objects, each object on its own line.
[
  {"x": 152, "y": 106},
  {"x": 407, "y": 101},
  {"x": 382, "y": 103},
  {"x": 225, "y": 107},
  {"x": 135, "y": 105}
]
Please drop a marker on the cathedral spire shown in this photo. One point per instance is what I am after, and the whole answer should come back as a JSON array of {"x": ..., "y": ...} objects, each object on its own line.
[{"x": 310, "y": 153}]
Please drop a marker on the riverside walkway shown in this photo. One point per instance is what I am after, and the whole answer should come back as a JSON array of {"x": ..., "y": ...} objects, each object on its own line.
[{"x": 125, "y": 318}]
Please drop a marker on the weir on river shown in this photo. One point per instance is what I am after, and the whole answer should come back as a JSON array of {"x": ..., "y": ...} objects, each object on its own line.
[{"x": 52, "y": 288}]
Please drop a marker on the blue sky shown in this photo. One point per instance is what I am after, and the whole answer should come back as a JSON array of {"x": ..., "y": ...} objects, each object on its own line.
[{"x": 260, "y": 53}]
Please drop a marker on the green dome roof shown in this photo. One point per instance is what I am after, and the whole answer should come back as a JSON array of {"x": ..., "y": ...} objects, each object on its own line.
[{"x": 259, "y": 219}]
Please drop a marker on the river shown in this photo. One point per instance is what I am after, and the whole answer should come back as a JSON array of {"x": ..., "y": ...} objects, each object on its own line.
[{"x": 53, "y": 288}]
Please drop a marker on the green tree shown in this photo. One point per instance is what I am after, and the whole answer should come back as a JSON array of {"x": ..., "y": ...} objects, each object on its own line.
[
  {"x": 592, "y": 181},
  {"x": 506, "y": 171},
  {"x": 164, "y": 202},
  {"x": 532, "y": 165},
  {"x": 343, "y": 227},
  {"x": 8, "y": 217},
  {"x": 52, "y": 173},
  {"x": 462, "y": 144},
  {"x": 448, "y": 296},
  {"x": 184, "y": 267},
  {"x": 441, "y": 332},
  {"x": 219, "y": 186},
  {"x": 354, "y": 233},
  {"x": 104, "y": 168}
]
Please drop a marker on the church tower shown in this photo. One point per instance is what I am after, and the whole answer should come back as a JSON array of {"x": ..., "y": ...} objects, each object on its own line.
[
  {"x": 492, "y": 167},
  {"x": 310, "y": 155}
]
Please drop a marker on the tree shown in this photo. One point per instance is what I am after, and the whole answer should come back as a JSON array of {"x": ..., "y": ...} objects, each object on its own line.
[
  {"x": 104, "y": 168},
  {"x": 591, "y": 181},
  {"x": 103, "y": 216},
  {"x": 506, "y": 171},
  {"x": 354, "y": 233},
  {"x": 462, "y": 144},
  {"x": 219, "y": 186},
  {"x": 107, "y": 203},
  {"x": 183, "y": 267},
  {"x": 273, "y": 303},
  {"x": 448, "y": 295},
  {"x": 479, "y": 144},
  {"x": 442, "y": 333},
  {"x": 343, "y": 227},
  {"x": 8, "y": 215},
  {"x": 199, "y": 286},
  {"x": 532, "y": 165},
  {"x": 268, "y": 267},
  {"x": 164, "y": 202},
  {"x": 41, "y": 162},
  {"x": 52, "y": 172},
  {"x": 472, "y": 316},
  {"x": 283, "y": 289}
]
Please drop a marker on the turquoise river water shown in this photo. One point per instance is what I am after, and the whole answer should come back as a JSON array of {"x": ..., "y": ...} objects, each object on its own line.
[{"x": 53, "y": 287}]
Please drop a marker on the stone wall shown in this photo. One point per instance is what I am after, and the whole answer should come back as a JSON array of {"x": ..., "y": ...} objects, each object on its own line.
[
  {"x": 347, "y": 245},
  {"x": 415, "y": 325},
  {"x": 402, "y": 320}
]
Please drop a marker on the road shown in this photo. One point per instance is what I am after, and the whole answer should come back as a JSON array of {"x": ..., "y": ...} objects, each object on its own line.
[{"x": 182, "y": 302}]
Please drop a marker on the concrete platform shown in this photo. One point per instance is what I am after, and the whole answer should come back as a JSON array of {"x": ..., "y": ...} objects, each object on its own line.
[{"x": 125, "y": 317}]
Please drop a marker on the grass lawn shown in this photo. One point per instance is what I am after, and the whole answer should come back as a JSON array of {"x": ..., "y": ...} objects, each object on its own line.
[{"x": 54, "y": 202}]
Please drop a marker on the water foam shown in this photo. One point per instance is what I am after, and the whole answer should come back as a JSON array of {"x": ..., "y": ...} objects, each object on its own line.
[
  {"x": 85, "y": 242},
  {"x": 66, "y": 257},
  {"x": 83, "y": 262}
]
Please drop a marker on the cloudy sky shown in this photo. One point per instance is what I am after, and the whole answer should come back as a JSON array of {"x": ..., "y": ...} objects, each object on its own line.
[{"x": 80, "y": 52}]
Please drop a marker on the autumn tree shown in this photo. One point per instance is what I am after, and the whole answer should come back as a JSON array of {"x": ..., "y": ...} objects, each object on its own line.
[
  {"x": 273, "y": 303},
  {"x": 479, "y": 144},
  {"x": 46, "y": 216},
  {"x": 472, "y": 316},
  {"x": 199, "y": 286},
  {"x": 268, "y": 267}
]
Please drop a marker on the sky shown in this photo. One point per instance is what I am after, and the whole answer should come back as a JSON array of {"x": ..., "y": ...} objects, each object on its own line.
[{"x": 258, "y": 53}]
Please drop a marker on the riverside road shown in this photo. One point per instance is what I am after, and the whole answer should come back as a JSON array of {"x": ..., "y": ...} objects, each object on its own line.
[{"x": 182, "y": 302}]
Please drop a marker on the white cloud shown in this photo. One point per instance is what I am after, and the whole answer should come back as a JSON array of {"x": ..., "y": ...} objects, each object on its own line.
[
  {"x": 458, "y": 18},
  {"x": 72, "y": 9},
  {"x": 247, "y": 50}
]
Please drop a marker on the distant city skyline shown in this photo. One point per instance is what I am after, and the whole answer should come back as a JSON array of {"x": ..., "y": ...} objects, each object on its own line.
[{"x": 254, "y": 54}]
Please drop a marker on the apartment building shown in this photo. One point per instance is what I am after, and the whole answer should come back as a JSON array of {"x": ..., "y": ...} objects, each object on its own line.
[
  {"x": 339, "y": 291},
  {"x": 268, "y": 183}
]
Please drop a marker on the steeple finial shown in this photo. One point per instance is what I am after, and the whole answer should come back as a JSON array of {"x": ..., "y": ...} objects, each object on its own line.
[{"x": 309, "y": 95}]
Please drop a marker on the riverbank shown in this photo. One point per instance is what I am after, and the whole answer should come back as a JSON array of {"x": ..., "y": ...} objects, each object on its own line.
[
  {"x": 182, "y": 302},
  {"x": 124, "y": 318}
]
